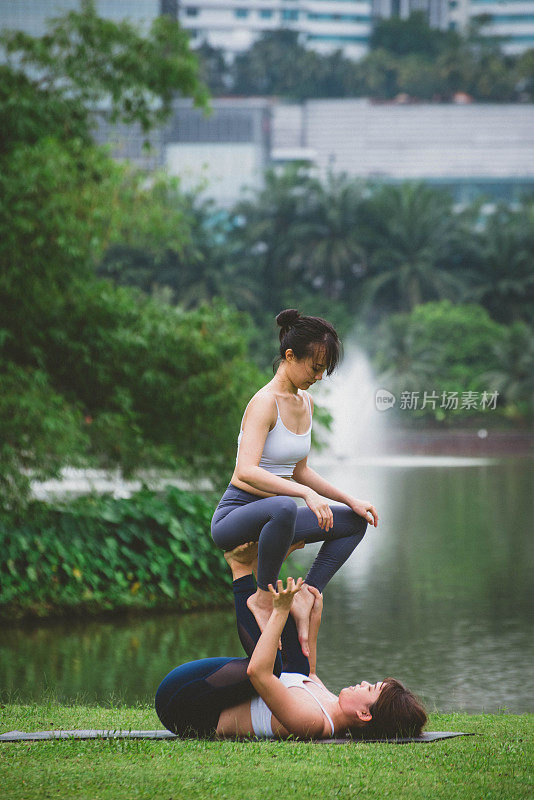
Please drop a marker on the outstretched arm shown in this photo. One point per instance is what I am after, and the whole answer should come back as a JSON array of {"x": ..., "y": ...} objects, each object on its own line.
[{"x": 287, "y": 709}]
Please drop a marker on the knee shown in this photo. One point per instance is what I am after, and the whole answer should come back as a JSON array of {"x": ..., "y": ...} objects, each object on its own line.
[
  {"x": 286, "y": 509},
  {"x": 357, "y": 523}
]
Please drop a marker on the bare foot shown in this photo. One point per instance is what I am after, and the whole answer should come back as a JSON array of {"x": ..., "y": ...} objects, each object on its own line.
[
  {"x": 301, "y": 610},
  {"x": 244, "y": 553},
  {"x": 261, "y": 605},
  {"x": 296, "y": 546}
]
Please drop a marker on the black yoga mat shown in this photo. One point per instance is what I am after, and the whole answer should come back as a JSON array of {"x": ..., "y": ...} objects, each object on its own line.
[{"x": 22, "y": 736}]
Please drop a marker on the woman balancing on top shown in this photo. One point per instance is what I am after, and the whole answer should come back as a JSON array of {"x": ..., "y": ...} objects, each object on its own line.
[{"x": 273, "y": 446}]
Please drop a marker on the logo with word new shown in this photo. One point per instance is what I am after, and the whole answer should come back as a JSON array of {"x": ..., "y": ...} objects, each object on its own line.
[{"x": 384, "y": 399}]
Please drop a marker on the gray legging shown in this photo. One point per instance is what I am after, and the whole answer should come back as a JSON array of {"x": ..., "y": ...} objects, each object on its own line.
[{"x": 276, "y": 523}]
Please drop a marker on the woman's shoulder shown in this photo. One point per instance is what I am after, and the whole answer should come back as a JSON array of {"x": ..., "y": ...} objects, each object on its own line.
[
  {"x": 261, "y": 406},
  {"x": 310, "y": 398},
  {"x": 264, "y": 398}
]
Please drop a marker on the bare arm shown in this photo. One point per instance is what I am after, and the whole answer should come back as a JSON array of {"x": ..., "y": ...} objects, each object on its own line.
[
  {"x": 296, "y": 718},
  {"x": 308, "y": 477}
]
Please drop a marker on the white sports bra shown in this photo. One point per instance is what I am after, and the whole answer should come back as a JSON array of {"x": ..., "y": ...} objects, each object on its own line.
[
  {"x": 261, "y": 713},
  {"x": 282, "y": 448}
]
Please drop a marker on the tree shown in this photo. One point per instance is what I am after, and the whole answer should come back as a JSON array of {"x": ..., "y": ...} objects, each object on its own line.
[
  {"x": 379, "y": 74},
  {"x": 266, "y": 222},
  {"x": 214, "y": 70},
  {"x": 503, "y": 281},
  {"x": 525, "y": 74},
  {"x": 90, "y": 370},
  {"x": 277, "y": 64},
  {"x": 409, "y": 36},
  {"x": 514, "y": 374},
  {"x": 85, "y": 62},
  {"x": 326, "y": 249},
  {"x": 408, "y": 231},
  {"x": 439, "y": 347},
  {"x": 418, "y": 77}
]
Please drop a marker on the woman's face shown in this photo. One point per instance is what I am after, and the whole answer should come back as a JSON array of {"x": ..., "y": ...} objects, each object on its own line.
[
  {"x": 355, "y": 701},
  {"x": 306, "y": 371}
]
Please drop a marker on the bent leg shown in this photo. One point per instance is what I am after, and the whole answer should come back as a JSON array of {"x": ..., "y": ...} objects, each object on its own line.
[
  {"x": 292, "y": 658},
  {"x": 339, "y": 542},
  {"x": 190, "y": 698},
  {"x": 270, "y": 521}
]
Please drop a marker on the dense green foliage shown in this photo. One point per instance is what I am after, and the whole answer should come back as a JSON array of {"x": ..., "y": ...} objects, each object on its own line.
[
  {"x": 97, "y": 553},
  {"x": 456, "y": 350},
  {"x": 493, "y": 764},
  {"x": 406, "y": 57},
  {"x": 92, "y": 372},
  {"x": 85, "y": 62}
]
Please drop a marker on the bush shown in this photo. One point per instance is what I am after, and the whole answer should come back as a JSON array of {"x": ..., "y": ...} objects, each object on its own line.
[
  {"x": 98, "y": 554},
  {"x": 442, "y": 348}
]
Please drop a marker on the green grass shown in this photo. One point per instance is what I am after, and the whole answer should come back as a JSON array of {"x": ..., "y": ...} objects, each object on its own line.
[{"x": 496, "y": 763}]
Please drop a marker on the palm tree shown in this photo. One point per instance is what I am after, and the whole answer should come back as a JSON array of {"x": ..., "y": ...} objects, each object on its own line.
[
  {"x": 409, "y": 232},
  {"x": 398, "y": 358},
  {"x": 325, "y": 239},
  {"x": 504, "y": 280},
  {"x": 514, "y": 378},
  {"x": 265, "y": 232}
]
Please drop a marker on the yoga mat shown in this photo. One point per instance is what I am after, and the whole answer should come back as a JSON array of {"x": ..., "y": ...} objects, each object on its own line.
[{"x": 22, "y": 736}]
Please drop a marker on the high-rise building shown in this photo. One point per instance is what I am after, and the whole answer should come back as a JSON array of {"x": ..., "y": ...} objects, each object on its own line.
[
  {"x": 233, "y": 25},
  {"x": 322, "y": 25},
  {"x": 511, "y": 19},
  {"x": 436, "y": 11}
]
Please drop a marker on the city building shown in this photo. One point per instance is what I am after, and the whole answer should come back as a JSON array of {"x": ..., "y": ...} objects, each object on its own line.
[
  {"x": 223, "y": 153},
  {"x": 322, "y": 25},
  {"x": 511, "y": 19},
  {"x": 473, "y": 149},
  {"x": 437, "y": 11}
]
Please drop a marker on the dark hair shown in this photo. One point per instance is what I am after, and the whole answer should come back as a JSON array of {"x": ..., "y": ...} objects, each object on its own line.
[
  {"x": 397, "y": 713},
  {"x": 304, "y": 335}
]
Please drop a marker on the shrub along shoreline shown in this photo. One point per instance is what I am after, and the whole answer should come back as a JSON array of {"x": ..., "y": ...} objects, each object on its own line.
[{"x": 100, "y": 555}]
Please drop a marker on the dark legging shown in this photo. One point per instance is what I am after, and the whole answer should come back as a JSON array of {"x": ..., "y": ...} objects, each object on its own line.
[
  {"x": 191, "y": 697},
  {"x": 276, "y": 523}
]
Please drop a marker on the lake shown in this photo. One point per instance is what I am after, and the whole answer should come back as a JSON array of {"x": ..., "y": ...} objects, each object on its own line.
[{"x": 440, "y": 595}]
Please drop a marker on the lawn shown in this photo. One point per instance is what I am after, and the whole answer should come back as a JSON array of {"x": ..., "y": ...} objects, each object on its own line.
[{"x": 496, "y": 763}]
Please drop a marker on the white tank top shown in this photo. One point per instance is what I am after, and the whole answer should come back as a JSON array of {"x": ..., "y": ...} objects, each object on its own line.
[
  {"x": 282, "y": 448},
  {"x": 261, "y": 713}
]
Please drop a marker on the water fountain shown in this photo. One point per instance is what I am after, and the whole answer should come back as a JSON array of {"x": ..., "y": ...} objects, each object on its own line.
[{"x": 359, "y": 429}]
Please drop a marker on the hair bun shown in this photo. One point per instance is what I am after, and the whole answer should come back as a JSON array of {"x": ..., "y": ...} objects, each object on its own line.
[{"x": 287, "y": 318}]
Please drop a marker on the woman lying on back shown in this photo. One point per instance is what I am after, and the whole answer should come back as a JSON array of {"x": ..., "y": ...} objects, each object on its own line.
[{"x": 273, "y": 695}]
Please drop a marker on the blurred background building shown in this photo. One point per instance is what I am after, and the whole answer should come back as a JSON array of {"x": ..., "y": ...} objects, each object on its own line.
[
  {"x": 479, "y": 148},
  {"x": 323, "y": 25},
  {"x": 472, "y": 149}
]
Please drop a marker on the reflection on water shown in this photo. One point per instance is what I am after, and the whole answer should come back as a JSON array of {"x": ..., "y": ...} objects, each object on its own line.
[{"x": 439, "y": 595}]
